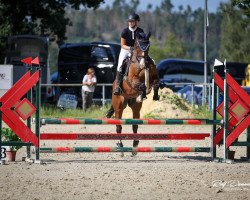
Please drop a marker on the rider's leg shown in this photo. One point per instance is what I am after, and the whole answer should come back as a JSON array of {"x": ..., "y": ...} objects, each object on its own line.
[
  {"x": 119, "y": 76},
  {"x": 119, "y": 79}
]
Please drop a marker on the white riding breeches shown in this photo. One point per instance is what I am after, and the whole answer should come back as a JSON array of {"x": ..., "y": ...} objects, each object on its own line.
[{"x": 123, "y": 54}]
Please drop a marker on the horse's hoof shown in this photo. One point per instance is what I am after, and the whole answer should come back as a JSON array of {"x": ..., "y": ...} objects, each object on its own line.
[
  {"x": 156, "y": 98},
  {"x": 133, "y": 154},
  {"x": 109, "y": 115},
  {"x": 119, "y": 144}
]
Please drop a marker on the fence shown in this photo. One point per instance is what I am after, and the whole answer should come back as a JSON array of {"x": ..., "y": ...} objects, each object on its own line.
[
  {"x": 234, "y": 110},
  {"x": 200, "y": 96}
]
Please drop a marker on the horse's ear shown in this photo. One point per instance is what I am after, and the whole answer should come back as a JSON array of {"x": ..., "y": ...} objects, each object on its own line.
[
  {"x": 148, "y": 35},
  {"x": 141, "y": 35}
]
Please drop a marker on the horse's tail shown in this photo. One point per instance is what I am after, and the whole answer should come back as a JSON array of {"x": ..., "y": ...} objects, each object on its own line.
[{"x": 110, "y": 112}]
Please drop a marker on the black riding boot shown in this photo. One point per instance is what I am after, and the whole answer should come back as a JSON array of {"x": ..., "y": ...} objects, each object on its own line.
[{"x": 119, "y": 79}]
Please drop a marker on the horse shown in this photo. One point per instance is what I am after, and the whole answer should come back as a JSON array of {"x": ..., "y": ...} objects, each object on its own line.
[{"x": 139, "y": 79}]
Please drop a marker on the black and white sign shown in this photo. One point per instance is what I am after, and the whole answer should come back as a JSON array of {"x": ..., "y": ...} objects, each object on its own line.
[
  {"x": 67, "y": 101},
  {"x": 6, "y": 78},
  {"x": 3, "y": 152}
]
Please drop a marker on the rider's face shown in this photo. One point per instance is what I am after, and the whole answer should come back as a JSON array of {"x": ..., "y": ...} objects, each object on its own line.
[{"x": 132, "y": 23}]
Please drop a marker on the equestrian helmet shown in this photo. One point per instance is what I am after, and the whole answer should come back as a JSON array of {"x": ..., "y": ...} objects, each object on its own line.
[{"x": 134, "y": 16}]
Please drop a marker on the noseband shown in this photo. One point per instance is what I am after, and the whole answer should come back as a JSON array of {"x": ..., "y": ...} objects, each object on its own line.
[{"x": 143, "y": 45}]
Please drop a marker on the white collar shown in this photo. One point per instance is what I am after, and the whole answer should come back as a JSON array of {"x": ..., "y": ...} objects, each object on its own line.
[{"x": 132, "y": 29}]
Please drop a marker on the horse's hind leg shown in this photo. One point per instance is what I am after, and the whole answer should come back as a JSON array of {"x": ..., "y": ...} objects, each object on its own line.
[
  {"x": 135, "y": 142},
  {"x": 118, "y": 115},
  {"x": 119, "y": 144},
  {"x": 136, "y": 115}
]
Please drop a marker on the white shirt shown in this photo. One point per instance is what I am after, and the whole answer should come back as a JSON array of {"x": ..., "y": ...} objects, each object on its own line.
[{"x": 88, "y": 88}]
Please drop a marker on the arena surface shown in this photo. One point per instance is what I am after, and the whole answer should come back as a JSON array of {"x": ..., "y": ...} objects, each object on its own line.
[{"x": 110, "y": 176}]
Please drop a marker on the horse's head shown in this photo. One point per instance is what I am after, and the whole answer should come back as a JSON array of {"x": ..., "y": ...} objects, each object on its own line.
[
  {"x": 141, "y": 47},
  {"x": 142, "y": 65}
]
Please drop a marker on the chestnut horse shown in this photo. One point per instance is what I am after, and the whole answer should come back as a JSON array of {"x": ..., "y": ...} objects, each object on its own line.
[{"x": 139, "y": 79}]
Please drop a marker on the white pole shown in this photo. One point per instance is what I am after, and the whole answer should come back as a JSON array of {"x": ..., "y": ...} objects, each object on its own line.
[{"x": 205, "y": 53}]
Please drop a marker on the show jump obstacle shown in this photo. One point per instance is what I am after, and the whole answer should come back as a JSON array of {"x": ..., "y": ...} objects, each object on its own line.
[{"x": 234, "y": 110}]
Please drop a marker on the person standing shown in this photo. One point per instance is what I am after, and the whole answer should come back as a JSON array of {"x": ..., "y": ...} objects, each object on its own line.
[{"x": 88, "y": 88}]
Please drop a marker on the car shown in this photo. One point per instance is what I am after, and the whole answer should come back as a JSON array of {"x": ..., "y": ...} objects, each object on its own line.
[
  {"x": 181, "y": 71},
  {"x": 75, "y": 59},
  {"x": 174, "y": 84},
  {"x": 186, "y": 93}
]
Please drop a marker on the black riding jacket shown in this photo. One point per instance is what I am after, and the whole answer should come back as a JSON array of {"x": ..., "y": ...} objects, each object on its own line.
[{"x": 128, "y": 35}]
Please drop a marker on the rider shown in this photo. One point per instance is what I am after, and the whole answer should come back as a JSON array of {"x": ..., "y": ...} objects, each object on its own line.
[{"x": 127, "y": 44}]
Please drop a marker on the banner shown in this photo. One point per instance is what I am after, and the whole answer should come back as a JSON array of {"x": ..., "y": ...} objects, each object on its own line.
[{"x": 6, "y": 78}]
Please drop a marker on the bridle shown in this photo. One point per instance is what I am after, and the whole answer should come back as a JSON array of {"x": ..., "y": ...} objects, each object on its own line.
[
  {"x": 142, "y": 60},
  {"x": 142, "y": 44}
]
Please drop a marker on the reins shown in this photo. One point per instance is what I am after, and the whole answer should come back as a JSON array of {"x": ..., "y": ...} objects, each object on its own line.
[{"x": 138, "y": 59}]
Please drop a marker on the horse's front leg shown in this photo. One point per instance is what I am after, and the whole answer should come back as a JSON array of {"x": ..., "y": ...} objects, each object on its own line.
[
  {"x": 156, "y": 86},
  {"x": 136, "y": 115},
  {"x": 110, "y": 112},
  {"x": 135, "y": 142}
]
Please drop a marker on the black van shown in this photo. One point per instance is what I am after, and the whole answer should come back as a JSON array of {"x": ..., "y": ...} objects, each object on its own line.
[
  {"x": 181, "y": 71},
  {"x": 23, "y": 46},
  {"x": 75, "y": 59},
  {"x": 235, "y": 69}
]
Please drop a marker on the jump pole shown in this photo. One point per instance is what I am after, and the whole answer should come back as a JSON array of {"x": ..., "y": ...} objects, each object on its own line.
[
  {"x": 123, "y": 149},
  {"x": 130, "y": 121},
  {"x": 123, "y": 136}
]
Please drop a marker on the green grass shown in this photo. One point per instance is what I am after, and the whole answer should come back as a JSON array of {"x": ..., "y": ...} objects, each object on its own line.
[
  {"x": 92, "y": 112},
  {"x": 202, "y": 112},
  {"x": 98, "y": 111},
  {"x": 177, "y": 101},
  {"x": 150, "y": 115}
]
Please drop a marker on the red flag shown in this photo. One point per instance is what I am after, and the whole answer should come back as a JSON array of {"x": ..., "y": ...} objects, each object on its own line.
[
  {"x": 27, "y": 61},
  {"x": 35, "y": 61}
]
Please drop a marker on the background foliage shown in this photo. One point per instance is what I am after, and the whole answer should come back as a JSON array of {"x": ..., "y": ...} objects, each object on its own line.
[{"x": 176, "y": 32}]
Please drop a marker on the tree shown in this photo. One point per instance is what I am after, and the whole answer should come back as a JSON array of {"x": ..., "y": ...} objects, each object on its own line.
[
  {"x": 244, "y": 5},
  {"x": 171, "y": 48},
  {"x": 38, "y": 17},
  {"x": 235, "y": 40}
]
